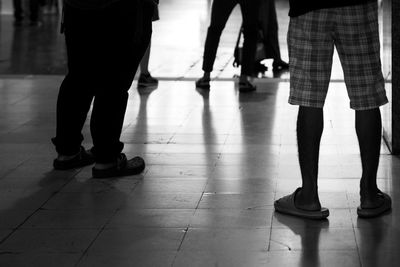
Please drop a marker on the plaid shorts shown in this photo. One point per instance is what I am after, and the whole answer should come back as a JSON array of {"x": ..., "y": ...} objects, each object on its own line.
[{"x": 354, "y": 31}]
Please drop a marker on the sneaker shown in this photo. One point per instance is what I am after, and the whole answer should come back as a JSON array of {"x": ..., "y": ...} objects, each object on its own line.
[
  {"x": 203, "y": 83},
  {"x": 124, "y": 167},
  {"x": 147, "y": 80},
  {"x": 83, "y": 158},
  {"x": 246, "y": 87}
]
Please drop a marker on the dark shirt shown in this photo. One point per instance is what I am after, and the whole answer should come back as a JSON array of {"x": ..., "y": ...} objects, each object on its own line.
[{"x": 300, "y": 7}]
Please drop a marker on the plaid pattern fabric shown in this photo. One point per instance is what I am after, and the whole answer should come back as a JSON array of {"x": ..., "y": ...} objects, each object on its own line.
[{"x": 354, "y": 31}]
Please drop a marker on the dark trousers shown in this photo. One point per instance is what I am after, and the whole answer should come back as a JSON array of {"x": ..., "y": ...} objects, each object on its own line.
[
  {"x": 269, "y": 26},
  {"x": 33, "y": 10},
  {"x": 220, "y": 12},
  {"x": 104, "y": 49}
]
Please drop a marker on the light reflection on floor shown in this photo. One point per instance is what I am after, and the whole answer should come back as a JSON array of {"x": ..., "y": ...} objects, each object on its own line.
[{"x": 216, "y": 161}]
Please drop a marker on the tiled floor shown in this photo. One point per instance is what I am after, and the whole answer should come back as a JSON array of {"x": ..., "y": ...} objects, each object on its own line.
[{"x": 215, "y": 163}]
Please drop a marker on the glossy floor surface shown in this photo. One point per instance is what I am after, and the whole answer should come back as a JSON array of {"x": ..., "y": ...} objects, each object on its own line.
[{"x": 215, "y": 163}]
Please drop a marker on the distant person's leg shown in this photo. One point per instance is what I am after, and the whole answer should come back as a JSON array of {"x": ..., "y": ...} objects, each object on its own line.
[
  {"x": 34, "y": 7},
  {"x": 145, "y": 78},
  {"x": 250, "y": 28},
  {"x": 18, "y": 12},
  {"x": 273, "y": 38},
  {"x": 144, "y": 63},
  {"x": 220, "y": 11}
]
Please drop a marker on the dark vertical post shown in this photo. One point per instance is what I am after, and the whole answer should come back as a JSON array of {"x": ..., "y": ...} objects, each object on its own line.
[{"x": 395, "y": 76}]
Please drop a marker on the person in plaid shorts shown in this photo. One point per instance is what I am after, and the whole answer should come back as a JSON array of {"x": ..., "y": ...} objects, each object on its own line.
[{"x": 315, "y": 28}]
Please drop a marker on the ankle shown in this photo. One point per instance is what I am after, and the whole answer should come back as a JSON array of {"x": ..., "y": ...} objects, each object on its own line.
[
  {"x": 206, "y": 75},
  {"x": 243, "y": 78},
  {"x": 307, "y": 201},
  {"x": 368, "y": 186}
]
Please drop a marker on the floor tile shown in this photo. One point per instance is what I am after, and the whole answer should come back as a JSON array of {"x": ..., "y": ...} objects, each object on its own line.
[
  {"x": 65, "y": 219},
  {"x": 240, "y": 186},
  {"x": 206, "y": 239},
  {"x": 124, "y": 241},
  {"x": 313, "y": 258},
  {"x": 237, "y": 201},
  {"x": 338, "y": 218},
  {"x": 171, "y": 185},
  {"x": 314, "y": 238},
  {"x": 48, "y": 241},
  {"x": 128, "y": 258},
  {"x": 39, "y": 259},
  {"x": 217, "y": 257},
  {"x": 127, "y": 218},
  {"x": 182, "y": 171},
  {"x": 86, "y": 201},
  {"x": 156, "y": 200},
  {"x": 231, "y": 218}
]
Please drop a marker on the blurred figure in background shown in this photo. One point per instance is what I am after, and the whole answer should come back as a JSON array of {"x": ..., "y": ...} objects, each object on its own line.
[
  {"x": 145, "y": 78},
  {"x": 268, "y": 23},
  {"x": 34, "y": 12},
  {"x": 220, "y": 12}
]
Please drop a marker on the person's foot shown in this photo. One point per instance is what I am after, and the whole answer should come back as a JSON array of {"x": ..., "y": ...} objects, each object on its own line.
[
  {"x": 81, "y": 159},
  {"x": 259, "y": 67},
  {"x": 122, "y": 167},
  {"x": 203, "y": 83},
  {"x": 145, "y": 79},
  {"x": 373, "y": 204},
  {"x": 279, "y": 65},
  {"x": 246, "y": 87},
  {"x": 290, "y": 205}
]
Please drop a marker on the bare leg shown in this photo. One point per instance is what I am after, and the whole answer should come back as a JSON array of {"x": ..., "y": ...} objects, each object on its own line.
[
  {"x": 369, "y": 131},
  {"x": 310, "y": 124}
]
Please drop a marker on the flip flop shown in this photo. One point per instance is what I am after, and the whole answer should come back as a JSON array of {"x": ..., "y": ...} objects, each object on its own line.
[
  {"x": 286, "y": 205},
  {"x": 376, "y": 211}
]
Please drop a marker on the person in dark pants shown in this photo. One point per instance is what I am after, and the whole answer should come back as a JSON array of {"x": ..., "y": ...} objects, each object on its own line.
[
  {"x": 34, "y": 9},
  {"x": 315, "y": 29},
  {"x": 105, "y": 42},
  {"x": 145, "y": 79},
  {"x": 220, "y": 11},
  {"x": 269, "y": 28}
]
